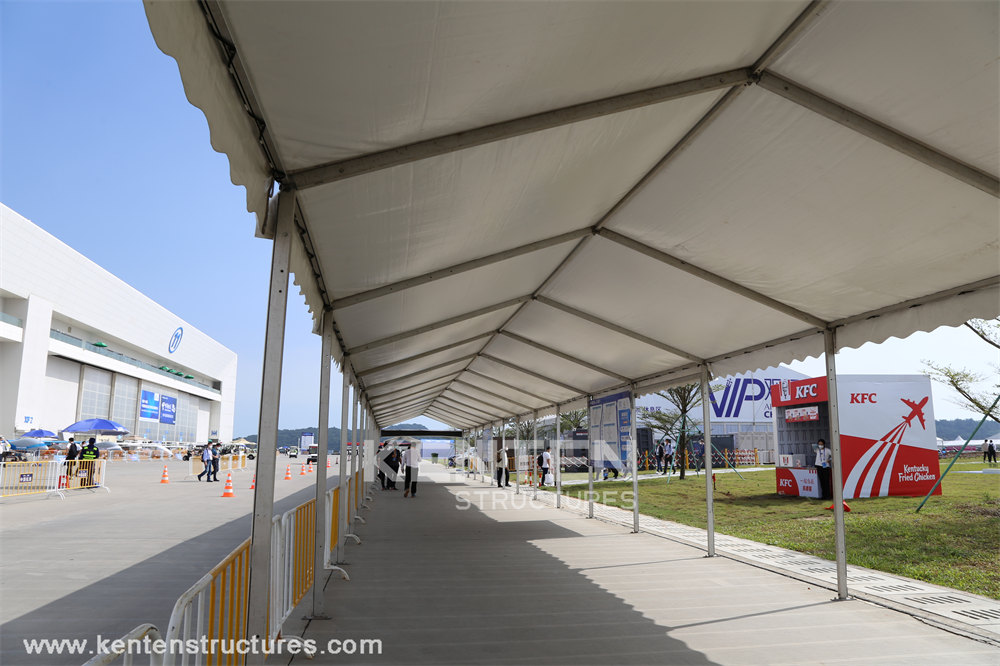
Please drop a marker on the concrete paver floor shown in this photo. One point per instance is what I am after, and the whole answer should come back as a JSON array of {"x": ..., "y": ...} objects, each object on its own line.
[{"x": 466, "y": 574}]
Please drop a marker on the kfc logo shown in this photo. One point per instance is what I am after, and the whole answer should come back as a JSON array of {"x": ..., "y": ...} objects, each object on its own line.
[
  {"x": 805, "y": 391},
  {"x": 863, "y": 398}
]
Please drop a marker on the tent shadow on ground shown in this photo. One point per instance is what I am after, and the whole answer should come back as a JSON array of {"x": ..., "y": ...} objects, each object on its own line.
[
  {"x": 438, "y": 584},
  {"x": 145, "y": 592}
]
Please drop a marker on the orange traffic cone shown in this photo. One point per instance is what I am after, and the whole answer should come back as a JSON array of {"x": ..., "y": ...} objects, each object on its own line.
[
  {"x": 303, "y": 471},
  {"x": 253, "y": 482},
  {"x": 228, "y": 490},
  {"x": 165, "y": 478},
  {"x": 288, "y": 473},
  {"x": 847, "y": 509},
  {"x": 328, "y": 464}
]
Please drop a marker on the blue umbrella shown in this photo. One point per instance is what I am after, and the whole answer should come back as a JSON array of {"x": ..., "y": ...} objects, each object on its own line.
[
  {"x": 25, "y": 443},
  {"x": 101, "y": 426},
  {"x": 39, "y": 433}
]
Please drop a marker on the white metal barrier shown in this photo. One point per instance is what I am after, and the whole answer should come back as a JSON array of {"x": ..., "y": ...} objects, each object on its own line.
[
  {"x": 214, "y": 608},
  {"x": 126, "y": 647}
]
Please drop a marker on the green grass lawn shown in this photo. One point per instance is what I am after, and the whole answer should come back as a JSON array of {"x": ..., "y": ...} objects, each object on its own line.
[{"x": 953, "y": 541}]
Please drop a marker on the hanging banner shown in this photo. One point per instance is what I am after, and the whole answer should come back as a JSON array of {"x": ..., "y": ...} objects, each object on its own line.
[
  {"x": 611, "y": 425},
  {"x": 149, "y": 406},
  {"x": 168, "y": 410}
]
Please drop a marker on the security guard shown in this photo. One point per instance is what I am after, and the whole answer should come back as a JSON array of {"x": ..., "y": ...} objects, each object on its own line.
[{"x": 88, "y": 454}]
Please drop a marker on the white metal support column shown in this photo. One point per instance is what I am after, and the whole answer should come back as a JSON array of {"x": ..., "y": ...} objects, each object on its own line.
[
  {"x": 501, "y": 467},
  {"x": 635, "y": 458},
  {"x": 342, "y": 472},
  {"x": 706, "y": 411},
  {"x": 534, "y": 451},
  {"x": 263, "y": 499},
  {"x": 590, "y": 466},
  {"x": 356, "y": 452},
  {"x": 322, "y": 443},
  {"x": 517, "y": 455},
  {"x": 830, "y": 345},
  {"x": 557, "y": 460}
]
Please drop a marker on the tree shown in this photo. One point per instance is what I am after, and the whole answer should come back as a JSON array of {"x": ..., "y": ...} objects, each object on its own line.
[
  {"x": 573, "y": 420},
  {"x": 964, "y": 381},
  {"x": 676, "y": 422}
]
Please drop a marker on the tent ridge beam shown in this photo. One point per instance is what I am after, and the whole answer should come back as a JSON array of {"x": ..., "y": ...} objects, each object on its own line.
[
  {"x": 421, "y": 372},
  {"x": 457, "y": 269},
  {"x": 532, "y": 373},
  {"x": 887, "y": 136},
  {"x": 520, "y": 300},
  {"x": 473, "y": 399},
  {"x": 495, "y": 395},
  {"x": 449, "y": 418},
  {"x": 791, "y": 34},
  {"x": 414, "y": 388},
  {"x": 639, "y": 337},
  {"x": 417, "y": 357},
  {"x": 463, "y": 408},
  {"x": 420, "y": 150},
  {"x": 505, "y": 384},
  {"x": 566, "y": 357},
  {"x": 714, "y": 278}
]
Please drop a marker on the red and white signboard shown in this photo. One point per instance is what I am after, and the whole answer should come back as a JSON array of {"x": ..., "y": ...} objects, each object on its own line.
[
  {"x": 796, "y": 414},
  {"x": 797, "y": 482},
  {"x": 887, "y": 436}
]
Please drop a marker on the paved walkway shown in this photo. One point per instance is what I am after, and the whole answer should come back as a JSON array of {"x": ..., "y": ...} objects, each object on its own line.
[
  {"x": 468, "y": 574},
  {"x": 99, "y": 563}
]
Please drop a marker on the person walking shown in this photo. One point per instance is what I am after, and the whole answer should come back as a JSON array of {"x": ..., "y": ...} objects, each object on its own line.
[
  {"x": 546, "y": 465},
  {"x": 216, "y": 459},
  {"x": 658, "y": 454},
  {"x": 206, "y": 460},
  {"x": 668, "y": 455},
  {"x": 991, "y": 451},
  {"x": 412, "y": 460},
  {"x": 823, "y": 470},
  {"x": 73, "y": 452},
  {"x": 393, "y": 464},
  {"x": 503, "y": 472},
  {"x": 380, "y": 458}
]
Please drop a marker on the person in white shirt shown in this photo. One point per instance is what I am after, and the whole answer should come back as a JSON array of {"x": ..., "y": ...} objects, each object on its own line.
[
  {"x": 546, "y": 464},
  {"x": 503, "y": 473},
  {"x": 412, "y": 460},
  {"x": 668, "y": 456},
  {"x": 823, "y": 470}
]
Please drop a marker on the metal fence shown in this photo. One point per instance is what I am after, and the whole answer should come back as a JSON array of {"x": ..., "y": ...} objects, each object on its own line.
[{"x": 50, "y": 476}]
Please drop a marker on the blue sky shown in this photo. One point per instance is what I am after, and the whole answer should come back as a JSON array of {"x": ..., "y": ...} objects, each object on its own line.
[{"x": 101, "y": 149}]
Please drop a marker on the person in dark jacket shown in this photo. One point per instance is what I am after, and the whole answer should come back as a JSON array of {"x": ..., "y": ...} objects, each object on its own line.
[
  {"x": 392, "y": 462},
  {"x": 216, "y": 457},
  {"x": 88, "y": 459},
  {"x": 73, "y": 452}
]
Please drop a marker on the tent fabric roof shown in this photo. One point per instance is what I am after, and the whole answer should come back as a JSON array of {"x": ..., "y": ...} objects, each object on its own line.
[{"x": 512, "y": 205}]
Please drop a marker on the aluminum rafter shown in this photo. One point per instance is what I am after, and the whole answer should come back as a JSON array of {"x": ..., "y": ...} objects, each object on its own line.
[{"x": 421, "y": 150}]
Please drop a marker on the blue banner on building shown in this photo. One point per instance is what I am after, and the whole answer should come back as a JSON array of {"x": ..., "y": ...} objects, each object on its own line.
[
  {"x": 149, "y": 406},
  {"x": 168, "y": 409}
]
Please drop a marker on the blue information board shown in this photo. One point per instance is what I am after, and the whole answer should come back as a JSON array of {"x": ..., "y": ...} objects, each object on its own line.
[
  {"x": 149, "y": 406},
  {"x": 168, "y": 409}
]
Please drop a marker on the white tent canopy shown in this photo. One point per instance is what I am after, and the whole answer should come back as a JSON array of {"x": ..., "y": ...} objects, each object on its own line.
[{"x": 505, "y": 206}]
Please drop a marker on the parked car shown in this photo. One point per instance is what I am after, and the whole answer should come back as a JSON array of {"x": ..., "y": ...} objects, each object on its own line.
[{"x": 293, "y": 452}]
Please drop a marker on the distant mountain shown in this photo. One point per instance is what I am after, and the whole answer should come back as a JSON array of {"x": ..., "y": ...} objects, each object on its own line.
[
  {"x": 291, "y": 437},
  {"x": 950, "y": 429}
]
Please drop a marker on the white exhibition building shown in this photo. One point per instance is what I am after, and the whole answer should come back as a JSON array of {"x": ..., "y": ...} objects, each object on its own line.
[{"x": 79, "y": 343}]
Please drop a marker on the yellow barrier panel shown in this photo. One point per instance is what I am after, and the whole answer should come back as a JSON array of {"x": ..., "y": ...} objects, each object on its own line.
[
  {"x": 29, "y": 478},
  {"x": 228, "y": 603},
  {"x": 303, "y": 551}
]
